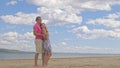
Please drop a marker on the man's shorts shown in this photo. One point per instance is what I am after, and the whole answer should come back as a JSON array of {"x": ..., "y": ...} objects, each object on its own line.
[{"x": 39, "y": 47}]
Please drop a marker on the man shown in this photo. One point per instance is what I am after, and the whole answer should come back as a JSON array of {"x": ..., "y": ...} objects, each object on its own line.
[{"x": 37, "y": 31}]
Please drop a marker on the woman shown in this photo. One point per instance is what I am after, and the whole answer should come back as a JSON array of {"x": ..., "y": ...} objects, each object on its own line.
[{"x": 46, "y": 44}]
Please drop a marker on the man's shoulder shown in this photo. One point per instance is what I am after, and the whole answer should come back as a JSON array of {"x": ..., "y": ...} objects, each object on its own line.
[{"x": 35, "y": 24}]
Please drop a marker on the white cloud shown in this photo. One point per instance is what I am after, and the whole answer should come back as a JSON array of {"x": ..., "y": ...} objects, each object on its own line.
[
  {"x": 96, "y": 5},
  {"x": 10, "y": 36},
  {"x": 67, "y": 11},
  {"x": 25, "y": 42},
  {"x": 28, "y": 35},
  {"x": 63, "y": 43},
  {"x": 114, "y": 16},
  {"x": 13, "y": 2},
  {"x": 77, "y": 4},
  {"x": 59, "y": 12},
  {"x": 58, "y": 16},
  {"x": 4, "y": 42},
  {"x": 51, "y": 16},
  {"x": 82, "y": 49},
  {"x": 99, "y": 4},
  {"x": 46, "y": 3},
  {"x": 62, "y": 12},
  {"x": 20, "y": 18},
  {"x": 109, "y": 21},
  {"x": 82, "y": 29},
  {"x": 14, "y": 40},
  {"x": 85, "y": 33}
]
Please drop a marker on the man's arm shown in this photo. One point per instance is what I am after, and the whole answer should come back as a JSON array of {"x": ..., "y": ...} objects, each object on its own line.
[{"x": 35, "y": 33}]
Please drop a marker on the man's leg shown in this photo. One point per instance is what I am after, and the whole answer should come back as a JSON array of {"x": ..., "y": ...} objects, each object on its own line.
[{"x": 36, "y": 58}]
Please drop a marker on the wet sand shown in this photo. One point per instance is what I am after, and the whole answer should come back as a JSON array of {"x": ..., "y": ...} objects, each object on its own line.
[{"x": 82, "y": 62}]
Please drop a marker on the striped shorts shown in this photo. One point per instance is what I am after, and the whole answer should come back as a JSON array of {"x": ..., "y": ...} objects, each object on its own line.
[{"x": 46, "y": 45}]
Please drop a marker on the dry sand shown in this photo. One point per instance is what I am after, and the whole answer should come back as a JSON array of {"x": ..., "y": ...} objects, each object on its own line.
[{"x": 82, "y": 62}]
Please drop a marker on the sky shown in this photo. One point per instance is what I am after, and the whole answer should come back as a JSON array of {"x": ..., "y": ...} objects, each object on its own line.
[{"x": 75, "y": 26}]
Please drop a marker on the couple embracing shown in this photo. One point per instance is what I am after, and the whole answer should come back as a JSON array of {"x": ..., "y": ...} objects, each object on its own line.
[{"x": 42, "y": 42}]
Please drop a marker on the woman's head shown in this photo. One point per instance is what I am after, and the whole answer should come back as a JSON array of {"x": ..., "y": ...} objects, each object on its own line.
[{"x": 43, "y": 25}]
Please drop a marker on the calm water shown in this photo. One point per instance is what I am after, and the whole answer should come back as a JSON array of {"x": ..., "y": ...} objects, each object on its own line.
[{"x": 54, "y": 55}]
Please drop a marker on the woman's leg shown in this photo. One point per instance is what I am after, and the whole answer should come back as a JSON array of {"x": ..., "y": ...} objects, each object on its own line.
[
  {"x": 48, "y": 57},
  {"x": 45, "y": 59}
]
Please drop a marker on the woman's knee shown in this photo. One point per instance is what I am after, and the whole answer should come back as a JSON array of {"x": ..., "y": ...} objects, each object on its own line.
[{"x": 49, "y": 54}]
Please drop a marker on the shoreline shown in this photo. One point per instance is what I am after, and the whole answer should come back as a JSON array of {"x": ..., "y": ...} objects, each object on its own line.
[
  {"x": 66, "y": 57},
  {"x": 81, "y": 62}
]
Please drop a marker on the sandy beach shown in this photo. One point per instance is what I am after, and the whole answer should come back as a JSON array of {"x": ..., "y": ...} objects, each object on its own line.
[{"x": 82, "y": 62}]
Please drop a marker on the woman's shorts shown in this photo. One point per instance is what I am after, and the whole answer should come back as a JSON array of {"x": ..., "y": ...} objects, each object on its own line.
[{"x": 46, "y": 45}]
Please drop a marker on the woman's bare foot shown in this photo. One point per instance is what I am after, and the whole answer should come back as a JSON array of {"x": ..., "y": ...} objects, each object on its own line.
[
  {"x": 36, "y": 65},
  {"x": 45, "y": 65}
]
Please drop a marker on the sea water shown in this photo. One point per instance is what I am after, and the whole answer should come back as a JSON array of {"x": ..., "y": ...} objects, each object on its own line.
[{"x": 4, "y": 55}]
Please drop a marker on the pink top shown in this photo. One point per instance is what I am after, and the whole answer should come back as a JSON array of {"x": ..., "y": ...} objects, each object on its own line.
[{"x": 39, "y": 30}]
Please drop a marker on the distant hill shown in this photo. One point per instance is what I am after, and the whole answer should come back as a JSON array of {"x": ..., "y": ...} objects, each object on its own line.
[
  {"x": 8, "y": 50},
  {"x": 12, "y": 51}
]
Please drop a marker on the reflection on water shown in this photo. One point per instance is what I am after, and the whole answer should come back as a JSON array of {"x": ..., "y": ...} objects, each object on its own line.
[{"x": 4, "y": 55}]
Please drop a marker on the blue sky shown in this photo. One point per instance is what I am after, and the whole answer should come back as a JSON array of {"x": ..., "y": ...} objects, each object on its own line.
[{"x": 75, "y": 26}]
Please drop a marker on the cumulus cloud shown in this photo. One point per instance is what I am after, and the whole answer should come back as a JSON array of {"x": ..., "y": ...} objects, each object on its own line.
[
  {"x": 64, "y": 43},
  {"x": 99, "y": 4},
  {"x": 85, "y": 33},
  {"x": 59, "y": 12},
  {"x": 59, "y": 16},
  {"x": 25, "y": 42},
  {"x": 49, "y": 15},
  {"x": 10, "y": 36},
  {"x": 114, "y": 15},
  {"x": 20, "y": 18},
  {"x": 110, "y": 21},
  {"x": 14, "y": 40},
  {"x": 13, "y": 2},
  {"x": 83, "y": 49},
  {"x": 27, "y": 35},
  {"x": 77, "y": 4}
]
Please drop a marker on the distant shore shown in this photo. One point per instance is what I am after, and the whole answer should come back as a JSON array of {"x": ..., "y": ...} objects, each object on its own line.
[{"x": 82, "y": 62}]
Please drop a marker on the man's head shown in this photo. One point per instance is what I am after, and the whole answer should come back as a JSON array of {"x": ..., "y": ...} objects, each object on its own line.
[{"x": 38, "y": 19}]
